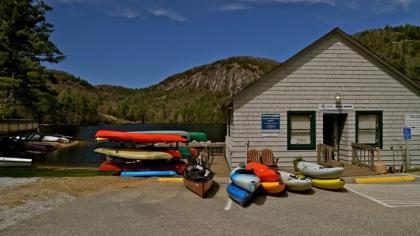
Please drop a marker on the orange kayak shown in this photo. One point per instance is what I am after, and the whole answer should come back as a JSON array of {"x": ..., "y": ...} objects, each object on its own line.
[
  {"x": 138, "y": 137},
  {"x": 273, "y": 187}
]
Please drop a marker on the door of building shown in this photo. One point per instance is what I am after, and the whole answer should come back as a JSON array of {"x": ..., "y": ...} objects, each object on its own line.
[{"x": 333, "y": 130}]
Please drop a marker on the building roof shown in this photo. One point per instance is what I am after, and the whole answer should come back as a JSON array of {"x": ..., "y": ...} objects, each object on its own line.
[{"x": 409, "y": 83}]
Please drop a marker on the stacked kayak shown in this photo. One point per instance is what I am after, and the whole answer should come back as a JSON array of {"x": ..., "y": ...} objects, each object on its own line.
[
  {"x": 243, "y": 184},
  {"x": 139, "y": 137},
  {"x": 138, "y": 154},
  {"x": 271, "y": 181},
  {"x": 173, "y": 165},
  {"x": 190, "y": 136},
  {"x": 322, "y": 177}
]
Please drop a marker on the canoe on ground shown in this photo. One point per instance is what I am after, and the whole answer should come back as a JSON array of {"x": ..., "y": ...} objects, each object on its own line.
[
  {"x": 318, "y": 171},
  {"x": 134, "y": 154},
  {"x": 110, "y": 166},
  {"x": 238, "y": 194},
  {"x": 139, "y": 137},
  {"x": 15, "y": 162},
  {"x": 273, "y": 187},
  {"x": 331, "y": 184},
  {"x": 198, "y": 179},
  {"x": 245, "y": 179},
  {"x": 295, "y": 183},
  {"x": 148, "y": 173}
]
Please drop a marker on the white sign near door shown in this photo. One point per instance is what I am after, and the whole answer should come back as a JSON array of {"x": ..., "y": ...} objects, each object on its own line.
[
  {"x": 330, "y": 107},
  {"x": 412, "y": 120}
]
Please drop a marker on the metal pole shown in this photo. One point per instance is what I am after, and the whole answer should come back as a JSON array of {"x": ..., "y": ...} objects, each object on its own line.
[{"x": 407, "y": 154}]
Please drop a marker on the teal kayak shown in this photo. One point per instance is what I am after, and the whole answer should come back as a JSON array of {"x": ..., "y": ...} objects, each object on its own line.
[{"x": 198, "y": 136}]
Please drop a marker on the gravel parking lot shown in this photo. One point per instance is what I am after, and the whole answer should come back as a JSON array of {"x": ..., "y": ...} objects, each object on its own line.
[{"x": 169, "y": 209}]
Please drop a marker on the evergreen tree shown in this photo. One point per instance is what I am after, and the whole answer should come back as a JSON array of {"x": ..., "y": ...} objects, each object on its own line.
[{"x": 24, "y": 45}]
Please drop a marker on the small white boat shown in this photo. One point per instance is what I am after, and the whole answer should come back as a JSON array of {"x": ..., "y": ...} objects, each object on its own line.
[
  {"x": 49, "y": 138},
  {"x": 295, "y": 183},
  {"x": 318, "y": 171},
  {"x": 14, "y": 162},
  {"x": 245, "y": 179}
]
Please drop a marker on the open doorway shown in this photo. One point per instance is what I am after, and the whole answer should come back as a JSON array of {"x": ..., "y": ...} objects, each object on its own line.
[{"x": 333, "y": 130}]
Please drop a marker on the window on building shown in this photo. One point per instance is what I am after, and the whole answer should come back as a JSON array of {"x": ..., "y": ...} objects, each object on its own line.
[
  {"x": 369, "y": 128},
  {"x": 301, "y": 131}
]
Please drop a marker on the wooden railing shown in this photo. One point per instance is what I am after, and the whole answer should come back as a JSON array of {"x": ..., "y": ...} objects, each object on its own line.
[
  {"x": 325, "y": 153},
  {"x": 17, "y": 126},
  {"x": 364, "y": 155}
]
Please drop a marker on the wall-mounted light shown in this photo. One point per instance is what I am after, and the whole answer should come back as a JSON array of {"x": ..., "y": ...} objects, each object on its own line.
[{"x": 338, "y": 98}]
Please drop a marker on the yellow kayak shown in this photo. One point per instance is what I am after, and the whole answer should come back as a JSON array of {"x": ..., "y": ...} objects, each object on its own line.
[
  {"x": 135, "y": 154},
  {"x": 273, "y": 187},
  {"x": 332, "y": 184}
]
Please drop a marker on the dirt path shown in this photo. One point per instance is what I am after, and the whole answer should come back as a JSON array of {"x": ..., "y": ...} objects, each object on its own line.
[{"x": 22, "y": 201}]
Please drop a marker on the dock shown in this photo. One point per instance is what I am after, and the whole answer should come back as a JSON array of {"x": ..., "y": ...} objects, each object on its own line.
[{"x": 17, "y": 126}]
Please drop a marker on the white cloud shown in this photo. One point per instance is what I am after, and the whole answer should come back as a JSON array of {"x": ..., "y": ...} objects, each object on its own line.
[
  {"x": 234, "y": 7},
  {"x": 328, "y": 2},
  {"x": 173, "y": 15},
  {"x": 126, "y": 13}
]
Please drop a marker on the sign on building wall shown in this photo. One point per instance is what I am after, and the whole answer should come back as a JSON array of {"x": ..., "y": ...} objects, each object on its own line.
[
  {"x": 270, "y": 123},
  {"x": 412, "y": 120},
  {"x": 333, "y": 107}
]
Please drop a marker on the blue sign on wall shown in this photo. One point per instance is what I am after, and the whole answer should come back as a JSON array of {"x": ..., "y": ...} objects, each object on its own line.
[
  {"x": 407, "y": 133},
  {"x": 270, "y": 122}
]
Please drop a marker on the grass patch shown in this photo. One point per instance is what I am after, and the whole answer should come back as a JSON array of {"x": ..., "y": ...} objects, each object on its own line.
[{"x": 50, "y": 172}]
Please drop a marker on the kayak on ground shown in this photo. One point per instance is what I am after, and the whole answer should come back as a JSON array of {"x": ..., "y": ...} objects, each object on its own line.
[
  {"x": 245, "y": 179},
  {"x": 318, "y": 171},
  {"x": 238, "y": 194},
  {"x": 331, "y": 184},
  {"x": 295, "y": 183}
]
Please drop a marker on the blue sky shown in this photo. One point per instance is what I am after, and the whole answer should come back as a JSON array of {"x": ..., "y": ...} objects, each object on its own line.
[{"x": 138, "y": 43}]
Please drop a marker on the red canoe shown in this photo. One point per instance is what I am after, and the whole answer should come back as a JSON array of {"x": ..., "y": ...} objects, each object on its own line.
[{"x": 139, "y": 137}]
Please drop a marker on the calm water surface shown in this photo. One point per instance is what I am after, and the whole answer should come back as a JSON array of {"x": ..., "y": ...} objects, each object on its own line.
[{"x": 83, "y": 154}]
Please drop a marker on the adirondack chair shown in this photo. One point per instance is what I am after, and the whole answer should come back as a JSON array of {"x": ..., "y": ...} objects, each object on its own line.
[
  {"x": 253, "y": 156},
  {"x": 267, "y": 158}
]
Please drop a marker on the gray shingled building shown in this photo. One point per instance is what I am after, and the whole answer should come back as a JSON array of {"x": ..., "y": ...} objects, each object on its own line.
[{"x": 334, "y": 92}]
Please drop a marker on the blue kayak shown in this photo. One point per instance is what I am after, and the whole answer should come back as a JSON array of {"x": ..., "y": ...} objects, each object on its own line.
[
  {"x": 245, "y": 179},
  {"x": 238, "y": 195},
  {"x": 148, "y": 173}
]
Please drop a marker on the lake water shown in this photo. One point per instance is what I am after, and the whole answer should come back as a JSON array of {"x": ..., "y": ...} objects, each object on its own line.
[{"x": 83, "y": 154}]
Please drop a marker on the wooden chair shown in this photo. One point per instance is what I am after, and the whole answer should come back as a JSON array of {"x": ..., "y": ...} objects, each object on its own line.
[
  {"x": 253, "y": 156},
  {"x": 267, "y": 158}
]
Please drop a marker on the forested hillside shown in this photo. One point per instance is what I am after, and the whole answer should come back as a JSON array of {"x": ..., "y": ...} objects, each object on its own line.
[
  {"x": 400, "y": 46},
  {"x": 29, "y": 90}
]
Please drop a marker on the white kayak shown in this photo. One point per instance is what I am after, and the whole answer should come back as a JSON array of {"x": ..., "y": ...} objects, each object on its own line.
[
  {"x": 245, "y": 179},
  {"x": 14, "y": 162},
  {"x": 318, "y": 171},
  {"x": 295, "y": 183}
]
